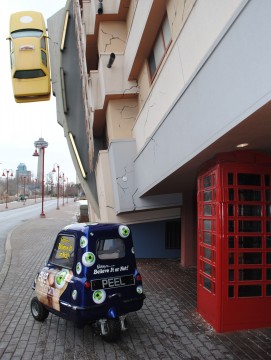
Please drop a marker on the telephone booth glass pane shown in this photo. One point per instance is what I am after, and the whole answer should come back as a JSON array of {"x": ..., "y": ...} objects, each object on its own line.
[{"x": 249, "y": 179}]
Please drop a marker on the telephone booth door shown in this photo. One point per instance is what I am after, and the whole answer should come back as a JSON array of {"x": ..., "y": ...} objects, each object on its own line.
[{"x": 234, "y": 245}]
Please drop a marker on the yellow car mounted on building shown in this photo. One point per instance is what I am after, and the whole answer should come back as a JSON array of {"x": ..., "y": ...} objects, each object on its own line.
[{"x": 29, "y": 57}]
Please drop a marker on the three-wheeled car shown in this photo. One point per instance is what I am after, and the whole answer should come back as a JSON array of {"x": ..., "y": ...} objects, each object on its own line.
[{"x": 90, "y": 277}]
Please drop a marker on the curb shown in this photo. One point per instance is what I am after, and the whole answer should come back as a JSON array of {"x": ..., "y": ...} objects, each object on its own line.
[{"x": 8, "y": 256}]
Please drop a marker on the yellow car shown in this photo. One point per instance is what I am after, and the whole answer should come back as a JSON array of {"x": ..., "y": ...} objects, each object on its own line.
[{"x": 29, "y": 57}]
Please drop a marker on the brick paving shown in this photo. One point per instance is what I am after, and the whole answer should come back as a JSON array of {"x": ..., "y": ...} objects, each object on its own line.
[{"x": 167, "y": 327}]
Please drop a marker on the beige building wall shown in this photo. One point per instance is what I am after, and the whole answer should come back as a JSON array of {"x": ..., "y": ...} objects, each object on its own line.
[
  {"x": 120, "y": 117},
  {"x": 193, "y": 38},
  {"x": 191, "y": 44}
]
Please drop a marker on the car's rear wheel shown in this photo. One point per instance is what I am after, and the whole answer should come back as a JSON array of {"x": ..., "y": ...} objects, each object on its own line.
[
  {"x": 39, "y": 312},
  {"x": 113, "y": 327}
]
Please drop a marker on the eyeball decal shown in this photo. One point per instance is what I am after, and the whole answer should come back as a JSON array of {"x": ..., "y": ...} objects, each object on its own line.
[
  {"x": 60, "y": 279},
  {"x": 139, "y": 289},
  {"x": 88, "y": 259},
  {"x": 83, "y": 241},
  {"x": 124, "y": 231},
  {"x": 99, "y": 296},
  {"x": 78, "y": 268},
  {"x": 74, "y": 294}
]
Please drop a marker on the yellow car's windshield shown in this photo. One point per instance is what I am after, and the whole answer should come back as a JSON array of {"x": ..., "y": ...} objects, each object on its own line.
[{"x": 26, "y": 33}]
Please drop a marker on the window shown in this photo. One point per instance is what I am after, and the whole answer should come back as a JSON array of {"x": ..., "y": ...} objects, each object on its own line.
[
  {"x": 108, "y": 249},
  {"x": 26, "y": 33},
  {"x": 29, "y": 74},
  {"x": 160, "y": 47},
  {"x": 63, "y": 252},
  {"x": 173, "y": 235}
]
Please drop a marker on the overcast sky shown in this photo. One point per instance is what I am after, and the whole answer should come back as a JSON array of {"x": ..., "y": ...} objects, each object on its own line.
[{"x": 22, "y": 124}]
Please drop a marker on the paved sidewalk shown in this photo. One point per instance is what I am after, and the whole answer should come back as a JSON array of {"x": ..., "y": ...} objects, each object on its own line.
[{"x": 167, "y": 327}]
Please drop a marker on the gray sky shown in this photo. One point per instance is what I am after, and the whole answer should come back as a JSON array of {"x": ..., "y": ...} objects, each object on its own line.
[{"x": 22, "y": 124}]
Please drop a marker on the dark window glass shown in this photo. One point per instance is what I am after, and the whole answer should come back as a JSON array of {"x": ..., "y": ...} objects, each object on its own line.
[
  {"x": 231, "y": 258},
  {"x": 249, "y": 226},
  {"x": 250, "y": 242},
  {"x": 231, "y": 194},
  {"x": 207, "y": 210},
  {"x": 207, "y": 224},
  {"x": 249, "y": 210},
  {"x": 63, "y": 252},
  {"x": 152, "y": 64},
  {"x": 268, "y": 258},
  {"x": 207, "y": 284},
  {"x": 207, "y": 238},
  {"x": 173, "y": 235},
  {"x": 267, "y": 195},
  {"x": 230, "y": 178},
  {"x": 268, "y": 290},
  {"x": 207, "y": 195},
  {"x": 43, "y": 43},
  {"x": 207, "y": 181},
  {"x": 268, "y": 242},
  {"x": 268, "y": 209},
  {"x": 43, "y": 58},
  {"x": 249, "y": 195},
  {"x": 249, "y": 274},
  {"x": 231, "y": 242},
  {"x": 231, "y": 291},
  {"x": 230, "y": 226},
  {"x": 207, "y": 254},
  {"x": 249, "y": 290},
  {"x": 231, "y": 275},
  {"x": 108, "y": 249},
  {"x": 249, "y": 179},
  {"x": 230, "y": 210},
  {"x": 207, "y": 268},
  {"x": 268, "y": 226},
  {"x": 267, "y": 180},
  {"x": 268, "y": 274},
  {"x": 29, "y": 74},
  {"x": 160, "y": 47},
  {"x": 250, "y": 258}
]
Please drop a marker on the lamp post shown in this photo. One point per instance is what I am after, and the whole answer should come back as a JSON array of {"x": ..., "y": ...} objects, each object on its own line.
[
  {"x": 63, "y": 180},
  {"x": 41, "y": 145},
  {"x": 54, "y": 170},
  {"x": 5, "y": 173},
  {"x": 24, "y": 177},
  {"x": 67, "y": 195}
]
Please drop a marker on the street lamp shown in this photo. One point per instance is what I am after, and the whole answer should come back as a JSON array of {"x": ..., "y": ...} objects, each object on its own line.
[
  {"x": 54, "y": 170},
  {"x": 5, "y": 173},
  {"x": 41, "y": 145}
]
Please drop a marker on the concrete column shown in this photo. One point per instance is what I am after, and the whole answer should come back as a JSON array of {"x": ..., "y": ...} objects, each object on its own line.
[{"x": 189, "y": 229}]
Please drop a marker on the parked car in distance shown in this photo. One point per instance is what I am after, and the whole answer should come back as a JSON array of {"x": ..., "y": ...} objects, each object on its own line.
[{"x": 29, "y": 57}]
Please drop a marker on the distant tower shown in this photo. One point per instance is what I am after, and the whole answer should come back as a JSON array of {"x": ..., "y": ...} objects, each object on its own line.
[{"x": 40, "y": 144}]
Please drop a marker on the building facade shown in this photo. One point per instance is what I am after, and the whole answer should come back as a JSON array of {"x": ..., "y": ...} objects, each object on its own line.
[{"x": 147, "y": 91}]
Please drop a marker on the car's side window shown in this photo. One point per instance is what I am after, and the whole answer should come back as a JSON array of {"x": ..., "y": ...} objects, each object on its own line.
[
  {"x": 63, "y": 252},
  {"x": 110, "y": 249}
]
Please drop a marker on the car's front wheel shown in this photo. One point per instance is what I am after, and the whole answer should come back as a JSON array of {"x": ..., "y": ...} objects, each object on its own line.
[{"x": 39, "y": 312}]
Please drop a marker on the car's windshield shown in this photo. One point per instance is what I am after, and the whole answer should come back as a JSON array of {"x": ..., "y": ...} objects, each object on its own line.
[{"x": 26, "y": 33}]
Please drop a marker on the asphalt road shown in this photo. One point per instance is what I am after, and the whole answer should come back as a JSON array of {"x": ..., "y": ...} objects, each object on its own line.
[{"x": 15, "y": 215}]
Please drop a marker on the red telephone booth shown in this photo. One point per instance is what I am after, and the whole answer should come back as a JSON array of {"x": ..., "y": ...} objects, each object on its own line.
[{"x": 234, "y": 241}]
